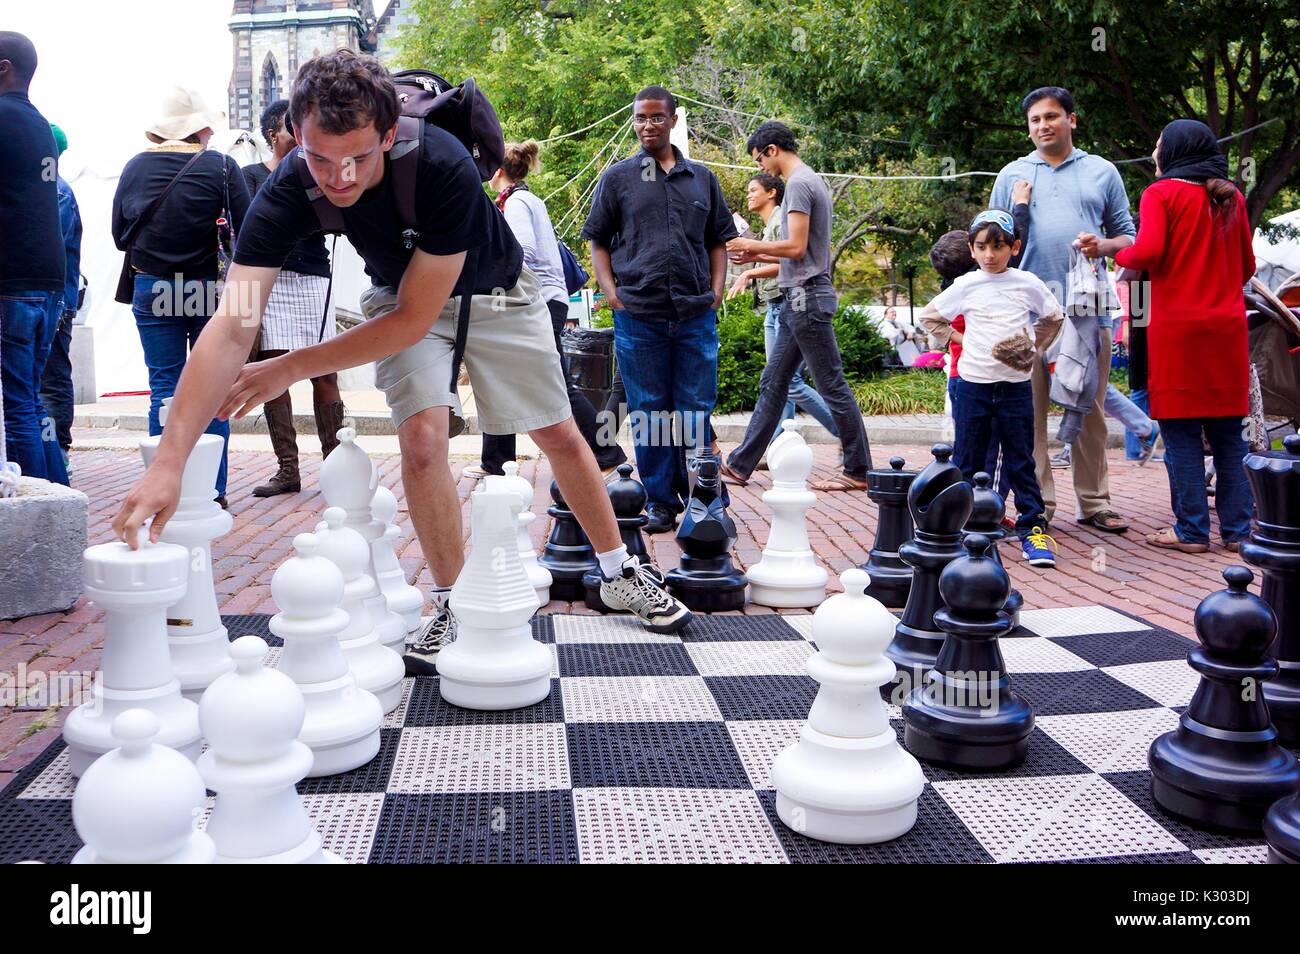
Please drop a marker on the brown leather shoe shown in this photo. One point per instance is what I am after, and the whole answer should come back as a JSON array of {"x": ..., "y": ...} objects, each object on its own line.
[{"x": 285, "y": 481}]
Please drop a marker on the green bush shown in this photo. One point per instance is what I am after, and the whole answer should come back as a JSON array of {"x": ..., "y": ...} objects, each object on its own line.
[
  {"x": 740, "y": 355},
  {"x": 862, "y": 348},
  {"x": 918, "y": 391}
]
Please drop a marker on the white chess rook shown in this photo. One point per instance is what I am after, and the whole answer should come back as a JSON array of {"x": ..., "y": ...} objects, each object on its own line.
[
  {"x": 788, "y": 574},
  {"x": 538, "y": 575},
  {"x": 494, "y": 663},
  {"x": 378, "y": 669},
  {"x": 134, "y": 588},
  {"x": 341, "y": 725},
  {"x": 140, "y": 802},
  {"x": 251, "y": 719},
  {"x": 402, "y": 598},
  {"x": 198, "y": 642},
  {"x": 847, "y": 780},
  {"x": 348, "y": 479}
]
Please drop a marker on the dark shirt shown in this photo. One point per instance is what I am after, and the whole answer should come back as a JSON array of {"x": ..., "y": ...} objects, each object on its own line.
[
  {"x": 452, "y": 210},
  {"x": 70, "y": 225},
  {"x": 181, "y": 237},
  {"x": 308, "y": 256},
  {"x": 659, "y": 230},
  {"x": 31, "y": 242}
]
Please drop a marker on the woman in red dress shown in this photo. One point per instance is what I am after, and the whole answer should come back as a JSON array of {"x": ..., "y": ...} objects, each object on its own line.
[{"x": 1194, "y": 239}]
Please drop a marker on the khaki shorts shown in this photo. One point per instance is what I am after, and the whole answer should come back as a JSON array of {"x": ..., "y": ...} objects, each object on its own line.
[{"x": 509, "y": 353}]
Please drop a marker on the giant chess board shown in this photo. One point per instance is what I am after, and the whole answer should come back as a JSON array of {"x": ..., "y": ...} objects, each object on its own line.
[{"x": 657, "y": 749}]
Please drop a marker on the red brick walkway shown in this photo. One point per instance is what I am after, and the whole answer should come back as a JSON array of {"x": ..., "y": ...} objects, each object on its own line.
[{"x": 1120, "y": 571}]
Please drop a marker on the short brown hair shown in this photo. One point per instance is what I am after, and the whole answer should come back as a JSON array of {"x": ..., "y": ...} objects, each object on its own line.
[
  {"x": 521, "y": 159},
  {"x": 951, "y": 255},
  {"x": 347, "y": 91}
]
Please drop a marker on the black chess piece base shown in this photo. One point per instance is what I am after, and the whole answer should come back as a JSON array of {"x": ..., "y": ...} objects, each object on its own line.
[
  {"x": 711, "y": 585},
  {"x": 946, "y": 727},
  {"x": 889, "y": 585},
  {"x": 591, "y": 593},
  {"x": 1282, "y": 831}
]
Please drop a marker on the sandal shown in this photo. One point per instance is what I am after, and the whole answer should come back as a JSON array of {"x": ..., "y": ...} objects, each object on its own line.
[
  {"x": 1167, "y": 539},
  {"x": 731, "y": 477},
  {"x": 839, "y": 482},
  {"x": 1107, "y": 521}
]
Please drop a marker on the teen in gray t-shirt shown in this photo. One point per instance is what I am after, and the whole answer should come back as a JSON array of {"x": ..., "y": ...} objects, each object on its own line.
[{"x": 806, "y": 192}]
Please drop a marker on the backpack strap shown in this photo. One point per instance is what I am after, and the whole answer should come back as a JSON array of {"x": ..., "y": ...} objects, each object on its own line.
[{"x": 405, "y": 158}]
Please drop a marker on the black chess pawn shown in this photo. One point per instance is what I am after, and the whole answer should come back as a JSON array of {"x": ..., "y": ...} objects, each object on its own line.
[
  {"x": 939, "y": 501},
  {"x": 1223, "y": 767},
  {"x": 891, "y": 578},
  {"x": 1274, "y": 547},
  {"x": 568, "y": 553},
  {"x": 986, "y": 518},
  {"x": 707, "y": 581},
  {"x": 628, "y": 497},
  {"x": 1282, "y": 831},
  {"x": 966, "y": 715}
]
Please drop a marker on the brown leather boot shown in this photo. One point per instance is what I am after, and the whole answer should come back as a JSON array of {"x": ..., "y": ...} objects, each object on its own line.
[
  {"x": 329, "y": 418},
  {"x": 284, "y": 440}
]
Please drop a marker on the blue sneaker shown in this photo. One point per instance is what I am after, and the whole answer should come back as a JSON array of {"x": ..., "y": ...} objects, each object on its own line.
[
  {"x": 1039, "y": 548},
  {"x": 1148, "y": 445}
]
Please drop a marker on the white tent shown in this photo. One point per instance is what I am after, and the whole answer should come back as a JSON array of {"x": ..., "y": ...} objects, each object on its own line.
[{"x": 1278, "y": 261}]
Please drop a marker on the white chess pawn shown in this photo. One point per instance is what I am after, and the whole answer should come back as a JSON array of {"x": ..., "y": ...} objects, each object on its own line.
[
  {"x": 788, "y": 574},
  {"x": 134, "y": 588},
  {"x": 847, "y": 780},
  {"x": 251, "y": 719},
  {"x": 198, "y": 642},
  {"x": 348, "y": 479},
  {"x": 378, "y": 669},
  {"x": 140, "y": 803},
  {"x": 494, "y": 663},
  {"x": 341, "y": 726},
  {"x": 402, "y": 598},
  {"x": 538, "y": 575}
]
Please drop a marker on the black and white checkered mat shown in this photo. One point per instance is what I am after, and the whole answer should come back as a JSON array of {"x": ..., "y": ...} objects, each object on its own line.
[{"x": 657, "y": 749}]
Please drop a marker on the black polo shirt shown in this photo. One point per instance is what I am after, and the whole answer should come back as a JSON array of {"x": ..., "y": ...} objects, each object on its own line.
[
  {"x": 659, "y": 228},
  {"x": 453, "y": 212}
]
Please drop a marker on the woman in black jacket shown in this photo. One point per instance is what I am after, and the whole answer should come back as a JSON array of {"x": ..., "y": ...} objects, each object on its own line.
[{"x": 173, "y": 253}]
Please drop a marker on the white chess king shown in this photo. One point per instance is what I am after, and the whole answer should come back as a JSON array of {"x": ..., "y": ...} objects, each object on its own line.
[
  {"x": 847, "y": 780},
  {"x": 198, "y": 642},
  {"x": 494, "y": 663},
  {"x": 788, "y": 574}
]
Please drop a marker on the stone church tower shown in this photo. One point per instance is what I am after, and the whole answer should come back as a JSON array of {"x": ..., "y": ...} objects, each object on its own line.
[{"x": 272, "y": 37}]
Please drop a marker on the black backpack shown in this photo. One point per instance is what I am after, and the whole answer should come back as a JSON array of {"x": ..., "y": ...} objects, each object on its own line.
[{"x": 465, "y": 112}]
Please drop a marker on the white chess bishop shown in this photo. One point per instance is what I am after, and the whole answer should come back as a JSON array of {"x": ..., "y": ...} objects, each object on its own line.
[
  {"x": 847, "y": 780},
  {"x": 348, "y": 479},
  {"x": 788, "y": 574},
  {"x": 198, "y": 642},
  {"x": 251, "y": 718},
  {"x": 403, "y": 598},
  {"x": 494, "y": 663},
  {"x": 134, "y": 588},
  {"x": 378, "y": 669},
  {"x": 141, "y": 802},
  {"x": 341, "y": 725},
  {"x": 538, "y": 575}
]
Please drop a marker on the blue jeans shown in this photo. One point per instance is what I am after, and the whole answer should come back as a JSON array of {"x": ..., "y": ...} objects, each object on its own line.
[
  {"x": 669, "y": 370},
  {"x": 1185, "y": 462},
  {"x": 993, "y": 465},
  {"x": 1132, "y": 443},
  {"x": 56, "y": 383},
  {"x": 28, "y": 323},
  {"x": 802, "y": 394},
  {"x": 1008, "y": 406},
  {"x": 169, "y": 322}
]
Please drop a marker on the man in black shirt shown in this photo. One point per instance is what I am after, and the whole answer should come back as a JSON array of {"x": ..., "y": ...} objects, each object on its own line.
[
  {"x": 658, "y": 230},
  {"x": 298, "y": 314},
  {"x": 31, "y": 264},
  {"x": 344, "y": 111}
]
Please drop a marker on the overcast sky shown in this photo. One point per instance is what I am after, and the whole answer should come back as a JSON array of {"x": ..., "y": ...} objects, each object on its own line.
[{"x": 105, "y": 64}]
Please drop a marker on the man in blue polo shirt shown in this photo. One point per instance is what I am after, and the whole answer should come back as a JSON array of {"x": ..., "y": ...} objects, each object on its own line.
[
  {"x": 31, "y": 263},
  {"x": 658, "y": 229}
]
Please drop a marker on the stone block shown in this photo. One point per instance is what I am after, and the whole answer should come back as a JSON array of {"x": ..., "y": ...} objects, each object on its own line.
[
  {"x": 42, "y": 537},
  {"x": 83, "y": 365}
]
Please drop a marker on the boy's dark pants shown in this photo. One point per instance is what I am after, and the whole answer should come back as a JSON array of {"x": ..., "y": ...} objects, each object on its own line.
[{"x": 1007, "y": 406}]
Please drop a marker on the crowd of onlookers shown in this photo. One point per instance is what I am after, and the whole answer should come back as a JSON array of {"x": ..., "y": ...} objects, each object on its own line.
[{"x": 1025, "y": 310}]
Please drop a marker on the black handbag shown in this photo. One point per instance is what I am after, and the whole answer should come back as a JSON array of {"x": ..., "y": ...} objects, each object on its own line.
[{"x": 126, "y": 280}]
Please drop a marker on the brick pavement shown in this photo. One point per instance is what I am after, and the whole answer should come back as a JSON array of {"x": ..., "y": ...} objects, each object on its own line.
[{"x": 1120, "y": 571}]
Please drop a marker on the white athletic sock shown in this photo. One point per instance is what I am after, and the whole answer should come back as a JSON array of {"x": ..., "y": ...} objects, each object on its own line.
[
  {"x": 611, "y": 562},
  {"x": 438, "y": 595}
]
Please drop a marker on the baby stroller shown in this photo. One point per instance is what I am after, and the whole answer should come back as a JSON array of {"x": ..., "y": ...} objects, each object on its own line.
[{"x": 1273, "y": 322}]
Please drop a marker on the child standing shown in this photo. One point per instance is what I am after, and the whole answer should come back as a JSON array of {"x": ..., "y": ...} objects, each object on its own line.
[{"x": 1010, "y": 316}]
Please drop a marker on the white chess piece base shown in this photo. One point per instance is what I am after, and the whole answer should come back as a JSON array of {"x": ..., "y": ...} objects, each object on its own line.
[
  {"x": 199, "y": 850},
  {"x": 787, "y": 581},
  {"x": 502, "y": 669}
]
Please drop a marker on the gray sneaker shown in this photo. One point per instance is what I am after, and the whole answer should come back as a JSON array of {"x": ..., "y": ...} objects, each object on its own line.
[
  {"x": 421, "y": 656},
  {"x": 639, "y": 590},
  {"x": 1061, "y": 459}
]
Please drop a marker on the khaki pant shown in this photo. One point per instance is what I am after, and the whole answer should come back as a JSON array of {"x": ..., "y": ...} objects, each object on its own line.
[{"x": 1087, "y": 454}]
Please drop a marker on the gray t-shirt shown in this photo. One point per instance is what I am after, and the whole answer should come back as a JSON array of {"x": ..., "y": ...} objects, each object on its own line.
[{"x": 806, "y": 192}]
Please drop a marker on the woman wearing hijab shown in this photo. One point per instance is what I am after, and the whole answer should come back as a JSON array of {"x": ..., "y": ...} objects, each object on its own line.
[{"x": 1195, "y": 241}]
